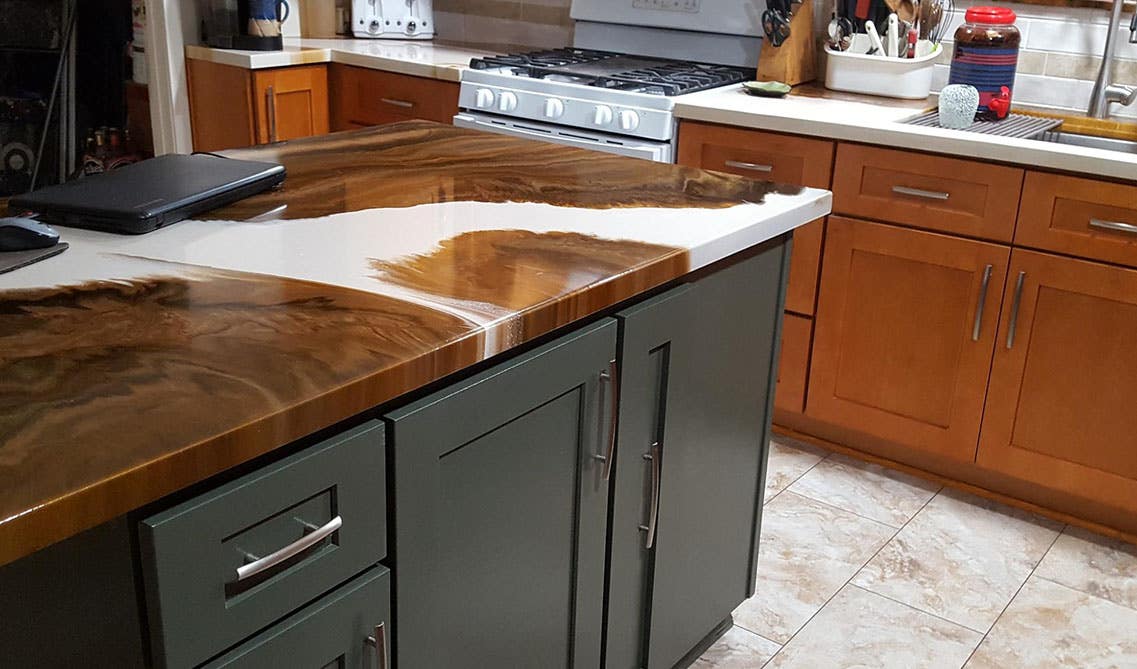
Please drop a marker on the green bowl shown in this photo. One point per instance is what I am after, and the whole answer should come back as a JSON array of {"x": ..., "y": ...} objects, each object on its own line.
[{"x": 766, "y": 89}]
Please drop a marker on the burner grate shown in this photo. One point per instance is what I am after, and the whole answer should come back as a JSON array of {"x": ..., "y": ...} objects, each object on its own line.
[
  {"x": 676, "y": 78},
  {"x": 540, "y": 60}
]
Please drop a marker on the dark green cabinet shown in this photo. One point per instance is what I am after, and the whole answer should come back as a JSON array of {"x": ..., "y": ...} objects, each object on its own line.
[
  {"x": 501, "y": 509},
  {"x": 696, "y": 382}
]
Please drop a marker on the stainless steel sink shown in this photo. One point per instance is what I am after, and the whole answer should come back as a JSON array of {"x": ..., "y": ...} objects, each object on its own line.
[{"x": 1089, "y": 141}]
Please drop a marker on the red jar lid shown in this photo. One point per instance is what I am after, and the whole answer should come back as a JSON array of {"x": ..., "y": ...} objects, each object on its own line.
[{"x": 990, "y": 15}]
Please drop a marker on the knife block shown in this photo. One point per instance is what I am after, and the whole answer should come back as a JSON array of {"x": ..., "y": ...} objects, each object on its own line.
[{"x": 795, "y": 62}]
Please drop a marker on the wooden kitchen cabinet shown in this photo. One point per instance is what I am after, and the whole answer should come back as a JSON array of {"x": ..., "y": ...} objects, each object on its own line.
[
  {"x": 793, "y": 363},
  {"x": 1060, "y": 405},
  {"x": 769, "y": 157},
  {"x": 904, "y": 335},
  {"x": 232, "y": 107},
  {"x": 687, "y": 497},
  {"x": 362, "y": 97},
  {"x": 501, "y": 512},
  {"x": 1081, "y": 217},
  {"x": 962, "y": 197}
]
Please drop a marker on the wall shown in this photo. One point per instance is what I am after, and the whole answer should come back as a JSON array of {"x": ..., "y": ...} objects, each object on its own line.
[
  {"x": 1060, "y": 56},
  {"x": 532, "y": 23}
]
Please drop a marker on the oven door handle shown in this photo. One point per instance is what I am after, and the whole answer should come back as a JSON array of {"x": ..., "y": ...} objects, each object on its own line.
[{"x": 657, "y": 152}]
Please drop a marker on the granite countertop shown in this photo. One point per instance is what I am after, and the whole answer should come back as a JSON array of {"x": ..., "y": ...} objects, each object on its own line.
[
  {"x": 133, "y": 367},
  {"x": 420, "y": 58},
  {"x": 875, "y": 120}
]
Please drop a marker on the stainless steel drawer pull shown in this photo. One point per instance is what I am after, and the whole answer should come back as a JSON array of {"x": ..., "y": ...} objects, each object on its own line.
[
  {"x": 752, "y": 167},
  {"x": 653, "y": 509},
  {"x": 270, "y": 95},
  {"x": 978, "y": 326},
  {"x": 1113, "y": 225},
  {"x": 1015, "y": 304},
  {"x": 611, "y": 378},
  {"x": 397, "y": 103},
  {"x": 920, "y": 192},
  {"x": 379, "y": 643},
  {"x": 290, "y": 551}
]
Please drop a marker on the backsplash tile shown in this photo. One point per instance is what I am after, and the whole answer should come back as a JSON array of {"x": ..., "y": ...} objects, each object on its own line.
[{"x": 509, "y": 23}]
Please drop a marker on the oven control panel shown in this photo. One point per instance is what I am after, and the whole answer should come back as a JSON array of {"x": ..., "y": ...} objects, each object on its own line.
[{"x": 690, "y": 6}]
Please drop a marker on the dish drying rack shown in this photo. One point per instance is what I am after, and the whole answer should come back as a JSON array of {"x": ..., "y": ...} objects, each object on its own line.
[{"x": 1020, "y": 126}]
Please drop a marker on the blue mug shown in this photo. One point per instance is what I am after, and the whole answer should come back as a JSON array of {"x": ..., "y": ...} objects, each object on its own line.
[{"x": 269, "y": 10}]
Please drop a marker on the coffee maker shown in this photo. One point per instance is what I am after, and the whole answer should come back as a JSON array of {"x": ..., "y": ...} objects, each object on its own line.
[
  {"x": 250, "y": 25},
  {"x": 392, "y": 19}
]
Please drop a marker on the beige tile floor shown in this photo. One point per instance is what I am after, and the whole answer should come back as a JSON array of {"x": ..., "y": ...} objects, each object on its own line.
[{"x": 861, "y": 566}]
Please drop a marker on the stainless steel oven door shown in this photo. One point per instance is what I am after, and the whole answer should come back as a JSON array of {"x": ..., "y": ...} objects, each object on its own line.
[{"x": 660, "y": 152}]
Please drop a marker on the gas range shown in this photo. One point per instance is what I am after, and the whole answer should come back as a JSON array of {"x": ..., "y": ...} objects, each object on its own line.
[{"x": 590, "y": 96}]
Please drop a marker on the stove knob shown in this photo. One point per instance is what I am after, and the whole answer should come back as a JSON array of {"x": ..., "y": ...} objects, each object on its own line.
[
  {"x": 507, "y": 102},
  {"x": 603, "y": 115},
  {"x": 483, "y": 99},
  {"x": 375, "y": 27},
  {"x": 554, "y": 108},
  {"x": 629, "y": 120}
]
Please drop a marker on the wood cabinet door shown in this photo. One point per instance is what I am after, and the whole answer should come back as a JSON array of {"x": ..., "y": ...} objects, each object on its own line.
[
  {"x": 501, "y": 509},
  {"x": 222, "y": 114},
  {"x": 774, "y": 157},
  {"x": 291, "y": 102},
  {"x": 793, "y": 363},
  {"x": 1060, "y": 408},
  {"x": 904, "y": 334},
  {"x": 695, "y": 385}
]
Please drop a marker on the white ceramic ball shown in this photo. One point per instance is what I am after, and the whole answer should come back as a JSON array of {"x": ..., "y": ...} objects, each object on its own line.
[{"x": 958, "y": 106}]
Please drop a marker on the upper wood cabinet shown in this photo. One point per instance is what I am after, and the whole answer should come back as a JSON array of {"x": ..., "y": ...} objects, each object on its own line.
[
  {"x": 1083, "y": 217},
  {"x": 905, "y": 328},
  {"x": 291, "y": 102},
  {"x": 1060, "y": 405},
  {"x": 963, "y": 197},
  {"x": 232, "y": 107},
  {"x": 769, "y": 157},
  {"x": 362, "y": 97}
]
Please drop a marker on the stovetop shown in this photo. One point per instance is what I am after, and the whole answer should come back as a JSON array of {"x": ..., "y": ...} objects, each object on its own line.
[{"x": 615, "y": 71}]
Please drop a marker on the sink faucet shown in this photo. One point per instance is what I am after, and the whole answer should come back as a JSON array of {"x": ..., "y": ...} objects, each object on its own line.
[{"x": 1104, "y": 91}]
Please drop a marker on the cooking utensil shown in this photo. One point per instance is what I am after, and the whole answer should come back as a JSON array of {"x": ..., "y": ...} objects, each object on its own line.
[
  {"x": 840, "y": 30},
  {"x": 905, "y": 9},
  {"x": 874, "y": 39},
  {"x": 776, "y": 21},
  {"x": 893, "y": 35}
]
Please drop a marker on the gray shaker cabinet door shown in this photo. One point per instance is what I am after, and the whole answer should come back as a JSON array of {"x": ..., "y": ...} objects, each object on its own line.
[
  {"x": 697, "y": 372},
  {"x": 501, "y": 510}
]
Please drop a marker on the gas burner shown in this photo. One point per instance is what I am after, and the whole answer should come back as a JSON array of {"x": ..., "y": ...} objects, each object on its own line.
[{"x": 615, "y": 71}]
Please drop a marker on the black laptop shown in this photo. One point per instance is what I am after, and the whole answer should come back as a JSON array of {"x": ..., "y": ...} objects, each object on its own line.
[{"x": 147, "y": 195}]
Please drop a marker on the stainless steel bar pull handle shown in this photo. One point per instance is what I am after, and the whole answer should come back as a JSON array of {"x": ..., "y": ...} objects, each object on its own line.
[
  {"x": 290, "y": 551},
  {"x": 978, "y": 326},
  {"x": 1015, "y": 304},
  {"x": 379, "y": 642},
  {"x": 653, "y": 508},
  {"x": 1113, "y": 225},
  {"x": 611, "y": 378},
  {"x": 397, "y": 103},
  {"x": 270, "y": 95},
  {"x": 920, "y": 192},
  {"x": 751, "y": 167}
]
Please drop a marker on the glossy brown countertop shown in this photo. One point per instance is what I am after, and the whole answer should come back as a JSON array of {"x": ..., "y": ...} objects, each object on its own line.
[{"x": 133, "y": 367}]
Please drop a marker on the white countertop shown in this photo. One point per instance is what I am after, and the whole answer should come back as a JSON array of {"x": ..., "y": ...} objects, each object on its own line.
[
  {"x": 418, "y": 58},
  {"x": 882, "y": 124}
]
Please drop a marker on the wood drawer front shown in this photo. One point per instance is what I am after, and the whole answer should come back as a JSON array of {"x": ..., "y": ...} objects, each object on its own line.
[
  {"x": 793, "y": 364},
  {"x": 904, "y": 334},
  {"x": 363, "y": 97},
  {"x": 1060, "y": 403},
  {"x": 1082, "y": 217},
  {"x": 963, "y": 197},
  {"x": 191, "y": 552},
  {"x": 332, "y": 632},
  {"x": 769, "y": 157}
]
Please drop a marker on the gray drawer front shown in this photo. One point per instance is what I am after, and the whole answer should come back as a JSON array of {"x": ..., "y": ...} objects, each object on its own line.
[
  {"x": 333, "y": 632},
  {"x": 191, "y": 553}
]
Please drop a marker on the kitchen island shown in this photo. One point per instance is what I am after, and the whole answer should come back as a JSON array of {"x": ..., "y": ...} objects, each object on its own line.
[{"x": 426, "y": 354}]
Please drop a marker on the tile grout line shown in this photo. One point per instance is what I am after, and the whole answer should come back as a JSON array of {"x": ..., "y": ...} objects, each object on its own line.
[
  {"x": 917, "y": 609},
  {"x": 854, "y": 513},
  {"x": 1013, "y": 597},
  {"x": 798, "y": 477},
  {"x": 850, "y": 579},
  {"x": 1082, "y": 592}
]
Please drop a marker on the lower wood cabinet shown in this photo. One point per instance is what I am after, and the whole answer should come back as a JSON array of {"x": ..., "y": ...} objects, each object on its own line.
[
  {"x": 793, "y": 363},
  {"x": 501, "y": 511},
  {"x": 362, "y": 97},
  {"x": 291, "y": 102},
  {"x": 694, "y": 400},
  {"x": 1060, "y": 407},
  {"x": 904, "y": 335}
]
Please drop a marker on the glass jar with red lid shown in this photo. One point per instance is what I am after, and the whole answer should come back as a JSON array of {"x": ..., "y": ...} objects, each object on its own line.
[{"x": 986, "y": 57}]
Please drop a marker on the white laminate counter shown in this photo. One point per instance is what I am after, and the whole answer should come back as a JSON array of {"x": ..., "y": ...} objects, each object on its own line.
[
  {"x": 414, "y": 57},
  {"x": 881, "y": 123}
]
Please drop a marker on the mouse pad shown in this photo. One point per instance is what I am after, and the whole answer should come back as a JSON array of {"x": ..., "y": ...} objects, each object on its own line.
[{"x": 10, "y": 260}]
